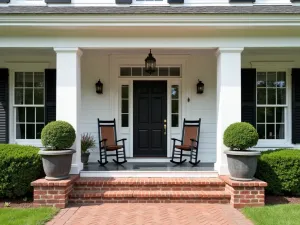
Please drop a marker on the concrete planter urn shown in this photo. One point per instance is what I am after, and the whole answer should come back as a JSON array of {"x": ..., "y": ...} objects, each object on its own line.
[
  {"x": 57, "y": 137},
  {"x": 85, "y": 157},
  {"x": 242, "y": 163},
  {"x": 57, "y": 164}
]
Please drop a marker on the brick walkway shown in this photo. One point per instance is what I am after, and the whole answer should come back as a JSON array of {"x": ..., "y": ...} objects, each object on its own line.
[{"x": 151, "y": 214}]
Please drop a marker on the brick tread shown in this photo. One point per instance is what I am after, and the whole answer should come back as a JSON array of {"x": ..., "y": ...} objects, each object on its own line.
[
  {"x": 152, "y": 194},
  {"x": 100, "y": 181}
]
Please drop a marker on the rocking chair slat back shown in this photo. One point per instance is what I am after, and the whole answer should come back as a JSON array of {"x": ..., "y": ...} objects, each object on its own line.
[{"x": 107, "y": 130}]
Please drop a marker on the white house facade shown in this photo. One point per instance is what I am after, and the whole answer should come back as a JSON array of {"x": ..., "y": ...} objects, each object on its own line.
[{"x": 246, "y": 53}]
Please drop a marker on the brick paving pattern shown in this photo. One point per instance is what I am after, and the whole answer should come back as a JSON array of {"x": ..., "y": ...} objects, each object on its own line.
[{"x": 150, "y": 214}]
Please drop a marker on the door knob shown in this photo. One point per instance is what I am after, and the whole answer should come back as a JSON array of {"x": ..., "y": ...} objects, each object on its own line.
[{"x": 165, "y": 127}]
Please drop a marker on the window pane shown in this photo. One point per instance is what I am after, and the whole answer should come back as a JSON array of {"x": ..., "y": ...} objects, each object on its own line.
[
  {"x": 260, "y": 115},
  {"x": 261, "y": 131},
  {"x": 39, "y": 128},
  {"x": 30, "y": 133},
  {"x": 281, "y": 97},
  {"x": 175, "y": 71},
  {"x": 30, "y": 114},
  {"x": 28, "y": 79},
  {"x": 125, "y": 91},
  {"x": 19, "y": 79},
  {"x": 281, "y": 81},
  {"x": 270, "y": 115},
  {"x": 261, "y": 96},
  {"x": 175, "y": 119},
  {"x": 261, "y": 79},
  {"x": 136, "y": 71},
  {"x": 271, "y": 96},
  {"x": 270, "y": 131},
  {"x": 175, "y": 90},
  {"x": 125, "y": 71},
  {"x": 40, "y": 114},
  {"x": 125, "y": 120},
  {"x": 38, "y": 79},
  {"x": 279, "y": 131},
  {"x": 271, "y": 79},
  {"x": 175, "y": 106},
  {"x": 19, "y": 96},
  {"x": 20, "y": 131},
  {"x": 20, "y": 114},
  {"x": 124, "y": 106},
  {"x": 163, "y": 71},
  {"x": 279, "y": 115},
  {"x": 38, "y": 96},
  {"x": 29, "y": 96}
]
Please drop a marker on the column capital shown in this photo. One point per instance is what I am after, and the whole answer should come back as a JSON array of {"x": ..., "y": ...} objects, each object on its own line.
[
  {"x": 228, "y": 50},
  {"x": 70, "y": 50}
]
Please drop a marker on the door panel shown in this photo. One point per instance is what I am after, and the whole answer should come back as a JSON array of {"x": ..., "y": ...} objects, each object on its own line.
[{"x": 149, "y": 113}]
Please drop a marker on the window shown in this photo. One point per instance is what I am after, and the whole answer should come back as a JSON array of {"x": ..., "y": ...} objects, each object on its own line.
[
  {"x": 29, "y": 104},
  {"x": 160, "y": 72},
  {"x": 175, "y": 105},
  {"x": 271, "y": 104},
  {"x": 125, "y": 106}
]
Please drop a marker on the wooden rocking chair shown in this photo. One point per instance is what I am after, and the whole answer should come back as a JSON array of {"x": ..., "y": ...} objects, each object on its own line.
[
  {"x": 108, "y": 142},
  {"x": 189, "y": 142}
]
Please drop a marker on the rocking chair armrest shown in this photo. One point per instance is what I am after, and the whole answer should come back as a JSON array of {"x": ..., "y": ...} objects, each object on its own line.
[
  {"x": 123, "y": 139},
  {"x": 103, "y": 140},
  {"x": 175, "y": 139},
  {"x": 193, "y": 140}
]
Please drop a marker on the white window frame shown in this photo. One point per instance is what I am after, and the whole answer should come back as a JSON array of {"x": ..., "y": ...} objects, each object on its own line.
[
  {"x": 277, "y": 67},
  {"x": 147, "y": 2},
  {"x": 21, "y": 67}
]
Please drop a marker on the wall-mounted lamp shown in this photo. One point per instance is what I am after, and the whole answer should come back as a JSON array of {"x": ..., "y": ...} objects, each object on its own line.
[
  {"x": 99, "y": 87},
  {"x": 200, "y": 87}
]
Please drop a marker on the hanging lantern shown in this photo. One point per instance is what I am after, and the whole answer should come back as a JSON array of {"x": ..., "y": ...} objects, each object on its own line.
[
  {"x": 200, "y": 87},
  {"x": 150, "y": 64},
  {"x": 99, "y": 87}
]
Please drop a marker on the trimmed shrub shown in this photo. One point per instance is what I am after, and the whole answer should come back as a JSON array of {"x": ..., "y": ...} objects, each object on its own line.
[
  {"x": 281, "y": 170},
  {"x": 58, "y": 135},
  {"x": 19, "y": 166},
  {"x": 240, "y": 136}
]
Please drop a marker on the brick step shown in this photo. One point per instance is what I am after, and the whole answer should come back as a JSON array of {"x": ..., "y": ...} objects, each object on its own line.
[
  {"x": 149, "y": 188},
  {"x": 150, "y": 196},
  {"x": 153, "y": 182}
]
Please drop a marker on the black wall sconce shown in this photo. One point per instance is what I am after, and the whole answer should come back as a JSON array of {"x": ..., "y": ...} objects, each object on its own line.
[
  {"x": 99, "y": 87},
  {"x": 200, "y": 87}
]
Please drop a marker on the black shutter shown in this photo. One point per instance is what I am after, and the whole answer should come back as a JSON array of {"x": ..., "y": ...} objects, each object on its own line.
[
  {"x": 50, "y": 95},
  {"x": 249, "y": 96},
  {"x": 4, "y": 113},
  {"x": 4, "y": 1},
  {"x": 58, "y": 1},
  {"x": 295, "y": 106},
  {"x": 123, "y": 1},
  {"x": 175, "y": 1}
]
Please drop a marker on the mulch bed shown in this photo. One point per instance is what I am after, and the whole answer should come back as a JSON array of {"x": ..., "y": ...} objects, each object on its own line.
[
  {"x": 274, "y": 200},
  {"x": 17, "y": 203}
]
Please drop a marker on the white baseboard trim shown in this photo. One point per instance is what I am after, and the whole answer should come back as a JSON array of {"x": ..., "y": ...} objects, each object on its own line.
[{"x": 199, "y": 174}]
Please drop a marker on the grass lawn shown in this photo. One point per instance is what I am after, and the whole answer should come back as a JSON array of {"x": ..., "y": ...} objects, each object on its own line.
[
  {"x": 288, "y": 214},
  {"x": 26, "y": 216}
]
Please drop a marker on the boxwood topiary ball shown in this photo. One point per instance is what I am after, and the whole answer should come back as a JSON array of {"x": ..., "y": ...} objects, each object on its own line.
[
  {"x": 58, "y": 135},
  {"x": 240, "y": 136}
]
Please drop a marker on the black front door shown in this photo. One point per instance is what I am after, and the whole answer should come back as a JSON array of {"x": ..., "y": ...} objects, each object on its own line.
[{"x": 150, "y": 118}]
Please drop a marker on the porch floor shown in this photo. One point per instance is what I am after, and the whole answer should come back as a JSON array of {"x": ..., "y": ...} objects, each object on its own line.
[{"x": 148, "y": 166}]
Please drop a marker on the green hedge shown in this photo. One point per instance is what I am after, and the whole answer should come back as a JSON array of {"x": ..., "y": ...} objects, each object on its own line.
[
  {"x": 281, "y": 170},
  {"x": 19, "y": 166}
]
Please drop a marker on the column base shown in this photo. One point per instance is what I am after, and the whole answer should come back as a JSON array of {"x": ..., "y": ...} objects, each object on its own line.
[
  {"x": 221, "y": 168},
  {"x": 76, "y": 168}
]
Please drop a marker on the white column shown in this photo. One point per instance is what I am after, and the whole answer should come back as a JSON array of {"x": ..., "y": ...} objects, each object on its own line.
[
  {"x": 68, "y": 96},
  {"x": 228, "y": 98}
]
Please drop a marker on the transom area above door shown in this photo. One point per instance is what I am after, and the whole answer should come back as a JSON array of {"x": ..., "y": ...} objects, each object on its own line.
[{"x": 161, "y": 71}]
